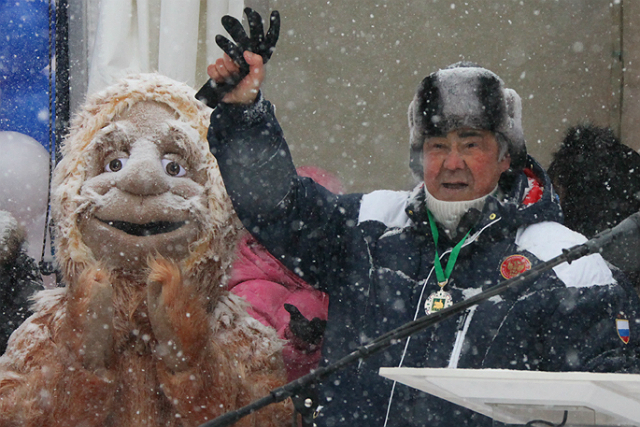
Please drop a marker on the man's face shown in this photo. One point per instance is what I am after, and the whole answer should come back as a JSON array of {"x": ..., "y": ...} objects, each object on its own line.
[{"x": 463, "y": 165}]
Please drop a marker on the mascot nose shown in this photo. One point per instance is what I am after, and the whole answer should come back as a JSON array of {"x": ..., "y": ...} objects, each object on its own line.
[{"x": 142, "y": 178}]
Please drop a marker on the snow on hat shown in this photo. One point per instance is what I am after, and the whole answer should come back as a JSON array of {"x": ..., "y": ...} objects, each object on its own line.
[{"x": 465, "y": 95}]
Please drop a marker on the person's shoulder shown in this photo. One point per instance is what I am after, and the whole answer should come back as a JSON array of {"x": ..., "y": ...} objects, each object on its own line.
[
  {"x": 546, "y": 240},
  {"x": 549, "y": 237},
  {"x": 385, "y": 206}
]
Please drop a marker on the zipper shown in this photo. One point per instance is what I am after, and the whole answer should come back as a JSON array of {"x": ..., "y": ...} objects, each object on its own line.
[{"x": 463, "y": 326}]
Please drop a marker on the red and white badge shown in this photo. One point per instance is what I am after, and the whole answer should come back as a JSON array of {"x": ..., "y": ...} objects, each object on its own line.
[{"x": 514, "y": 265}]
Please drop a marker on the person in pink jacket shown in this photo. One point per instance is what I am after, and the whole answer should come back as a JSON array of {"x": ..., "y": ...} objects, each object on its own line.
[{"x": 281, "y": 299}]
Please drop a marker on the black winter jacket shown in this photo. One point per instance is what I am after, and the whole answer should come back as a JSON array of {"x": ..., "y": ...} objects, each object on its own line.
[
  {"x": 374, "y": 255},
  {"x": 19, "y": 278}
]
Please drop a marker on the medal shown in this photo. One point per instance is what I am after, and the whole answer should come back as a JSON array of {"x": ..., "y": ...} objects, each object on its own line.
[
  {"x": 438, "y": 300},
  {"x": 441, "y": 299}
]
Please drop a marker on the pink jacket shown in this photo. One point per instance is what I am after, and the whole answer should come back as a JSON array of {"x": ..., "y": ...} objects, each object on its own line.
[{"x": 267, "y": 285}]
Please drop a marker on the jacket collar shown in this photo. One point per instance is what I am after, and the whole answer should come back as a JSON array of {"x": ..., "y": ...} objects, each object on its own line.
[{"x": 520, "y": 206}]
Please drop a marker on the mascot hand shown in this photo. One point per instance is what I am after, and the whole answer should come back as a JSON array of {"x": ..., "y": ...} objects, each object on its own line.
[
  {"x": 178, "y": 317},
  {"x": 91, "y": 314}
]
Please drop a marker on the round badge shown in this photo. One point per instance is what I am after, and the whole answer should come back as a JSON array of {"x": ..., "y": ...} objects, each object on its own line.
[
  {"x": 514, "y": 265},
  {"x": 438, "y": 301}
]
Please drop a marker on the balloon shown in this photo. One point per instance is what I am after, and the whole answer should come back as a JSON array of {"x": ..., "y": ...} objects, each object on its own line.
[{"x": 24, "y": 182}]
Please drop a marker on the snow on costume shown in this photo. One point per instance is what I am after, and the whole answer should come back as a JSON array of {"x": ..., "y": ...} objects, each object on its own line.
[
  {"x": 144, "y": 331},
  {"x": 268, "y": 285},
  {"x": 374, "y": 255}
]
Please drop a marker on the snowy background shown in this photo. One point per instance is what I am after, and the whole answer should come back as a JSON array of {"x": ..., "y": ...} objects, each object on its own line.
[{"x": 345, "y": 71}]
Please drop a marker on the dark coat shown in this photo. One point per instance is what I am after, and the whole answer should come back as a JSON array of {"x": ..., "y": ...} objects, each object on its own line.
[
  {"x": 19, "y": 278},
  {"x": 598, "y": 179},
  {"x": 374, "y": 255}
]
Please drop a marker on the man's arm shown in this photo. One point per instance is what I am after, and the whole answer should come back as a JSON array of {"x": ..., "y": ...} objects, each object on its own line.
[{"x": 298, "y": 221}]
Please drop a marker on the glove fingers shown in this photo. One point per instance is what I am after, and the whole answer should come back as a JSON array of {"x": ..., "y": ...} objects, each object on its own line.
[
  {"x": 211, "y": 93},
  {"x": 255, "y": 29},
  {"x": 234, "y": 52},
  {"x": 294, "y": 312},
  {"x": 236, "y": 31},
  {"x": 272, "y": 35}
]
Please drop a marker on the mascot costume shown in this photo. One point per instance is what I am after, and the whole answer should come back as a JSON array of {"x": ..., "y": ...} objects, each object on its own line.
[{"x": 144, "y": 331}]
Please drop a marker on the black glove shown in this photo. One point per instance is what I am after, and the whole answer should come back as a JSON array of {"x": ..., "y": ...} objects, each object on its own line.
[
  {"x": 212, "y": 93},
  {"x": 310, "y": 331}
]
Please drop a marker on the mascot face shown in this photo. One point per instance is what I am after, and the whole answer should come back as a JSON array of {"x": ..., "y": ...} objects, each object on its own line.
[
  {"x": 137, "y": 180},
  {"x": 144, "y": 180}
]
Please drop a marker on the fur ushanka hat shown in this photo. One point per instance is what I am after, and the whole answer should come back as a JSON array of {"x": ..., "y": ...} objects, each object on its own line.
[{"x": 465, "y": 95}]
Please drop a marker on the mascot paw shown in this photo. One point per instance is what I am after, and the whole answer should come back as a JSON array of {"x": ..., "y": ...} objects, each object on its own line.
[
  {"x": 91, "y": 314},
  {"x": 177, "y": 315}
]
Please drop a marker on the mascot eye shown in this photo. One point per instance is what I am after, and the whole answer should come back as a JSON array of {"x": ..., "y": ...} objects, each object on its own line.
[
  {"x": 173, "y": 168},
  {"x": 115, "y": 165}
]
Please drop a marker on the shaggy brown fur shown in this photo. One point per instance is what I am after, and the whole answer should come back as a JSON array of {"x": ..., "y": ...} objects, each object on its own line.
[{"x": 156, "y": 342}]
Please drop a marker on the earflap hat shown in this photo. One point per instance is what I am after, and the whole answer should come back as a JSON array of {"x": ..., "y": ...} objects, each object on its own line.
[{"x": 465, "y": 95}]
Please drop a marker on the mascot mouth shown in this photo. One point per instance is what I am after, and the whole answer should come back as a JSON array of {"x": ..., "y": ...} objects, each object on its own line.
[{"x": 149, "y": 229}]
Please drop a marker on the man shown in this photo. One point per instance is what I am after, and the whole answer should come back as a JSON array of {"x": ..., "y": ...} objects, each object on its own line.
[{"x": 484, "y": 212}]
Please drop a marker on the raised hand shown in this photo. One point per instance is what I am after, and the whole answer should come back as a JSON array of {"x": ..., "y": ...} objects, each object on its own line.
[{"x": 214, "y": 90}]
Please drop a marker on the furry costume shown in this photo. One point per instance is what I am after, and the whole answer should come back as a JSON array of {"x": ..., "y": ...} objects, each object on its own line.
[{"x": 144, "y": 332}]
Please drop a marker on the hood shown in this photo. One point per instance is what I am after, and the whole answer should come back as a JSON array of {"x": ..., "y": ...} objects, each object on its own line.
[
  {"x": 530, "y": 197},
  {"x": 76, "y": 199},
  {"x": 254, "y": 262}
]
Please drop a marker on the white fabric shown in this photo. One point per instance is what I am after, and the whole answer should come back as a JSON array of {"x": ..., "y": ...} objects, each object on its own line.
[
  {"x": 546, "y": 240},
  {"x": 178, "y": 44},
  {"x": 156, "y": 35},
  {"x": 216, "y": 9},
  {"x": 121, "y": 42},
  {"x": 385, "y": 206}
]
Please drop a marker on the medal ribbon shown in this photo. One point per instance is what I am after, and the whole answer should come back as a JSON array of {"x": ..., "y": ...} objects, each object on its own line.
[{"x": 443, "y": 275}]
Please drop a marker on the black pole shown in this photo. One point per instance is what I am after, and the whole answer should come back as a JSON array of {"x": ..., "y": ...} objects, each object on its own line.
[
  {"x": 63, "y": 105},
  {"x": 626, "y": 233}
]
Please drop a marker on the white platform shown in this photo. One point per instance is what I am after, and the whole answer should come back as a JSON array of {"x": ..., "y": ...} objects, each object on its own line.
[{"x": 517, "y": 397}]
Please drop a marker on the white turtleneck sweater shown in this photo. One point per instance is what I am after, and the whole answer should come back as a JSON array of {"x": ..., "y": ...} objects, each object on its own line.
[{"x": 449, "y": 213}]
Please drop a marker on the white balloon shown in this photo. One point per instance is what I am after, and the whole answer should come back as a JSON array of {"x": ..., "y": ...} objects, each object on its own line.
[{"x": 24, "y": 182}]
